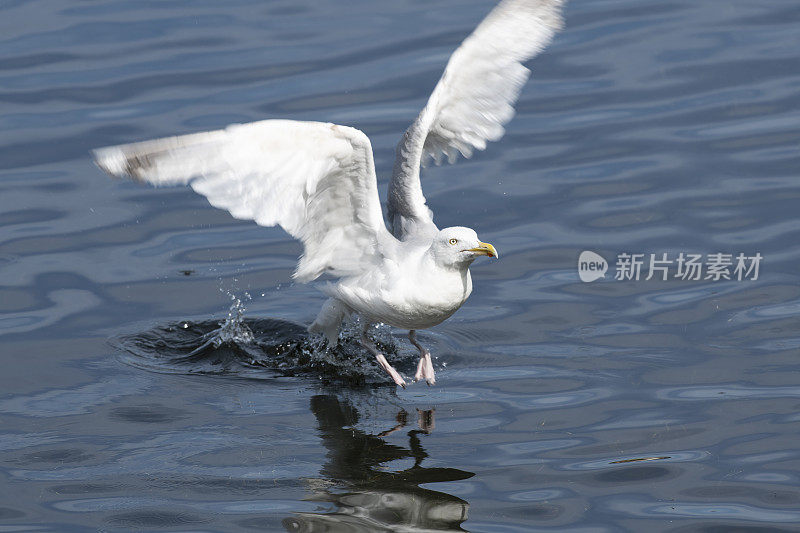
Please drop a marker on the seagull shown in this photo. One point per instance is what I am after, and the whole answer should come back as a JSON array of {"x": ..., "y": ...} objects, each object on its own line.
[{"x": 317, "y": 181}]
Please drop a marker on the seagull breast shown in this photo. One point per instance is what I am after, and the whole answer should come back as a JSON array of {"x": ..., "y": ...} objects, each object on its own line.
[{"x": 411, "y": 294}]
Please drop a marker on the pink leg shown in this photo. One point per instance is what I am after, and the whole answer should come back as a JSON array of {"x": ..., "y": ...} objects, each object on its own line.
[
  {"x": 366, "y": 343},
  {"x": 425, "y": 365}
]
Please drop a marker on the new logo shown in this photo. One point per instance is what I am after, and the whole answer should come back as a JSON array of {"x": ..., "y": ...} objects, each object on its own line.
[{"x": 591, "y": 266}]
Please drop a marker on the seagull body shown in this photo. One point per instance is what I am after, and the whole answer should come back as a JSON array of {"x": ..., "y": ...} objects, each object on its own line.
[
  {"x": 411, "y": 290},
  {"x": 317, "y": 181}
]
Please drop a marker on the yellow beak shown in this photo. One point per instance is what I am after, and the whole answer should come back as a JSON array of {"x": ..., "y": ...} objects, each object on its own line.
[{"x": 485, "y": 249}]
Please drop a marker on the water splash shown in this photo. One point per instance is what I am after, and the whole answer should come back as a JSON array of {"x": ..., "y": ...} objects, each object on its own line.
[
  {"x": 262, "y": 348},
  {"x": 233, "y": 329}
]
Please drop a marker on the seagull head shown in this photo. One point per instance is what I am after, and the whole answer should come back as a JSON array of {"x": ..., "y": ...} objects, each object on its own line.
[{"x": 458, "y": 247}]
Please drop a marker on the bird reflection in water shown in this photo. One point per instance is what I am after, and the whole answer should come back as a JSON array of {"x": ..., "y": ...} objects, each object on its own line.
[{"x": 367, "y": 496}]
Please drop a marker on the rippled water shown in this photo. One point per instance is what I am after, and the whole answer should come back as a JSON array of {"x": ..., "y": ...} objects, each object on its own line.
[{"x": 649, "y": 127}]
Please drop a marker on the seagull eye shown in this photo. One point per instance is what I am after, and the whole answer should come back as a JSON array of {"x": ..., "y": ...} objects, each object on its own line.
[{"x": 453, "y": 241}]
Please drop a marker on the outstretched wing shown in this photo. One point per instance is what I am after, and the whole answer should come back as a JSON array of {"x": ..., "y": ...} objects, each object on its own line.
[
  {"x": 317, "y": 181},
  {"x": 472, "y": 101}
]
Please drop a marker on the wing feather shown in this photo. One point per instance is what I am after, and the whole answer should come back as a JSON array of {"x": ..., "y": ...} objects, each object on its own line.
[
  {"x": 472, "y": 102},
  {"x": 317, "y": 181}
]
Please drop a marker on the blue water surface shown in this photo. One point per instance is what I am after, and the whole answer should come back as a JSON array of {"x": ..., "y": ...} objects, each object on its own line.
[{"x": 649, "y": 127}]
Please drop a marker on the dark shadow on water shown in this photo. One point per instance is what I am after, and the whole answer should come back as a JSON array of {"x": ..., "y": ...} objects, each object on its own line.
[
  {"x": 260, "y": 349},
  {"x": 367, "y": 483},
  {"x": 364, "y": 493}
]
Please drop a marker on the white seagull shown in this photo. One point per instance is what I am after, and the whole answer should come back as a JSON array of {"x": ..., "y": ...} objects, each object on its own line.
[{"x": 317, "y": 181}]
